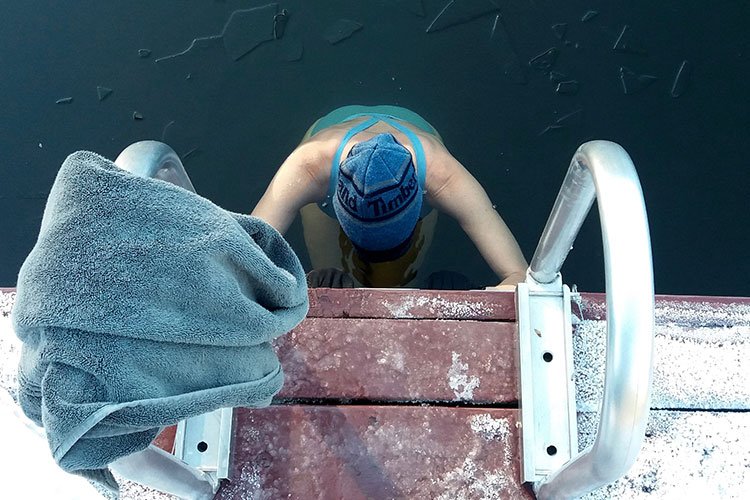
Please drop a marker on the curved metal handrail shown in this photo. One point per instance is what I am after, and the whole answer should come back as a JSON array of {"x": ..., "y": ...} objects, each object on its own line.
[
  {"x": 156, "y": 160},
  {"x": 604, "y": 169},
  {"x": 153, "y": 467}
]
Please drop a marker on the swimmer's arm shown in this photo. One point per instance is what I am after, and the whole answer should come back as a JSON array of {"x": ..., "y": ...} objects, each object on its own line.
[
  {"x": 458, "y": 194},
  {"x": 300, "y": 180}
]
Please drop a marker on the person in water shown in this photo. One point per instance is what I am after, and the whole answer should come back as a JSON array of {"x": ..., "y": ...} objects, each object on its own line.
[{"x": 369, "y": 182}]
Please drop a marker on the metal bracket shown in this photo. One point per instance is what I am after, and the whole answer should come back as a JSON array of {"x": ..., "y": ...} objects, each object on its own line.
[
  {"x": 205, "y": 442},
  {"x": 549, "y": 436}
]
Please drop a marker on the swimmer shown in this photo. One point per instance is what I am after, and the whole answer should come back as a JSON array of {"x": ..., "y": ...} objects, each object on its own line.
[{"x": 368, "y": 182}]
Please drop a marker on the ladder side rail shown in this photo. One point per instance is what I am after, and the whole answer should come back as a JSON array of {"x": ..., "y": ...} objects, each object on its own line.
[
  {"x": 153, "y": 467},
  {"x": 156, "y": 160},
  {"x": 604, "y": 168}
]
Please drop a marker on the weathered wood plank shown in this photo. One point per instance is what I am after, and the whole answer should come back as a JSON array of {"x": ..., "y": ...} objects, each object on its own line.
[
  {"x": 411, "y": 304},
  {"x": 404, "y": 360},
  {"x": 375, "y": 452},
  {"x": 165, "y": 440},
  {"x": 499, "y": 305},
  {"x": 686, "y": 310}
]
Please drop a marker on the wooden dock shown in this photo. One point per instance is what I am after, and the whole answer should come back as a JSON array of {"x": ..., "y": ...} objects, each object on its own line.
[{"x": 411, "y": 394}]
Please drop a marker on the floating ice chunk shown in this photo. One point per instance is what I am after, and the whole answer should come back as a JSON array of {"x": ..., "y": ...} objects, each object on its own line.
[
  {"x": 192, "y": 152},
  {"x": 512, "y": 67},
  {"x": 292, "y": 51},
  {"x": 248, "y": 28},
  {"x": 632, "y": 82},
  {"x": 625, "y": 42},
  {"x": 103, "y": 92},
  {"x": 341, "y": 30},
  {"x": 560, "y": 29},
  {"x": 182, "y": 137},
  {"x": 550, "y": 128},
  {"x": 279, "y": 24},
  {"x": 589, "y": 15},
  {"x": 165, "y": 130},
  {"x": 197, "y": 46},
  {"x": 571, "y": 119},
  {"x": 461, "y": 11},
  {"x": 681, "y": 80},
  {"x": 206, "y": 56},
  {"x": 556, "y": 76},
  {"x": 568, "y": 87},
  {"x": 545, "y": 60}
]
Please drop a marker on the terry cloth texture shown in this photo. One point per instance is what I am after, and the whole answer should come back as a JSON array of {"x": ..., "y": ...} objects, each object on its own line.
[
  {"x": 378, "y": 200},
  {"x": 143, "y": 304}
]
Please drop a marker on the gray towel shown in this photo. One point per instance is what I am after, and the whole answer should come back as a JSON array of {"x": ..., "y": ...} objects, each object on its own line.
[{"x": 142, "y": 304}]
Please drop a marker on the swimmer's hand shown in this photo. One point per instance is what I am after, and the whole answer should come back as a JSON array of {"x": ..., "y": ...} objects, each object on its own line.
[
  {"x": 329, "y": 278},
  {"x": 511, "y": 288},
  {"x": 510, "y": 282}
]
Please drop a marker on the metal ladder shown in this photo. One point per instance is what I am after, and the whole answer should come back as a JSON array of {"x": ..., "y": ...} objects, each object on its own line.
[{"x": 550, "y": 458}]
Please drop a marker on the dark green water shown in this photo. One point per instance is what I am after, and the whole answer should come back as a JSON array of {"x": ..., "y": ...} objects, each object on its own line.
[{"x": 234, "y": 122}]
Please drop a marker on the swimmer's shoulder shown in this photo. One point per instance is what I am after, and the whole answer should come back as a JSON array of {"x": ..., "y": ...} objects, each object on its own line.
[
  {"x": 442, "y": 166},
  {"x": 317, "y": 151}
]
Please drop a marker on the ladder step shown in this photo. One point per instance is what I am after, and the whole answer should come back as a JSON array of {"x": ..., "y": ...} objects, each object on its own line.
[
  {"x": 401, "y": 360},
  {"x": 375, "y": 452}
]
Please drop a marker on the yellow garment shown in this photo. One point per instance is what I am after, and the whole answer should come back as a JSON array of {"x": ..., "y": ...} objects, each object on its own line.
[{"x": 390, "y": 274}]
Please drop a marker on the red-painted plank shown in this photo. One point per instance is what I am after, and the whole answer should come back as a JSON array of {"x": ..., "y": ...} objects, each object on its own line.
[
  {"x": 411, "y": 304},
  {"x": 165, "y": 440},
  {"x": 375, "y": 452},
  {"x": 405, "y": 360},
  {"x": 472, "y": 305}
]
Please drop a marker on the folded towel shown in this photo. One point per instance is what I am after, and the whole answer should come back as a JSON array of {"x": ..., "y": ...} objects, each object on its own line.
[{"x": 143, "y": 304}]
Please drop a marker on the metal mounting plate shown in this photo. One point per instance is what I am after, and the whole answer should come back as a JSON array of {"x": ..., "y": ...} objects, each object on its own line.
[
  {"x": 548, "y": 412},
  {"x": 205, "y": 443}
]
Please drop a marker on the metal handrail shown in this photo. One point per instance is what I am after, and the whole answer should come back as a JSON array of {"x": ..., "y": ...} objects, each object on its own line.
[
  {"x": 156, "y": 160},
  {"x": 603, "y": 169},
  {"x": 153, "y": 467}
]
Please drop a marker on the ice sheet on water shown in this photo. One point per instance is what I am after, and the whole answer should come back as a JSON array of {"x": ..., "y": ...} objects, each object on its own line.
[
  {"x": 682, "y": 79},
  {"x": 103, "y": 92},
  {"x": 461, "y": 11},
  {"x": 508, "y": 56},
  {"x": 545, "y": 60},
  {"x": 341, "y": 30},
  {"x": 632, "y": 82},
  {"x": 246, "y": 29}
]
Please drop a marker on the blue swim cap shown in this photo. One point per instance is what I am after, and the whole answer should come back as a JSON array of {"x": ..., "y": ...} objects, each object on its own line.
[{"x": 378, "y": 199}]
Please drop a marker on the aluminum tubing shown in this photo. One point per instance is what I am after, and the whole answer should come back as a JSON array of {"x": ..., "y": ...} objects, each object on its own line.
[
  {"x": 630, "y": 321},
  {"x": 156, "y": 160}
]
